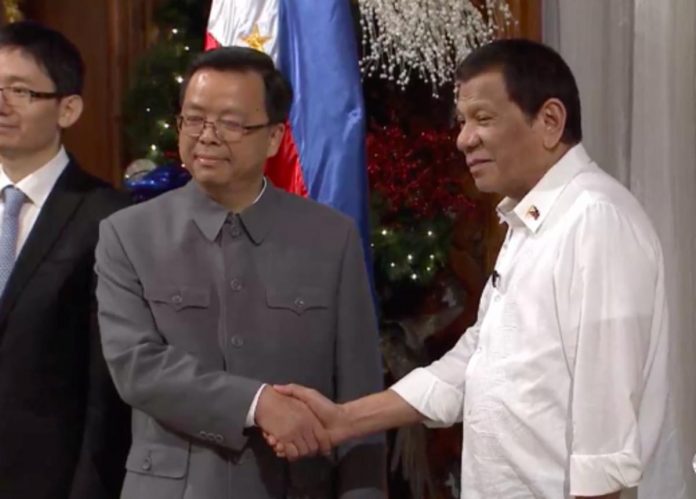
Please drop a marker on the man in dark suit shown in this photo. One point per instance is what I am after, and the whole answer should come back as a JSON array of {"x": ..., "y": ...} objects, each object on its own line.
[
  {"x": 210, "y": 291},
  {"x": 63, "y": 430}
]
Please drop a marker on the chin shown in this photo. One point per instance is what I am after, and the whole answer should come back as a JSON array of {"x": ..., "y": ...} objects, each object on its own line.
[
  {"x": 486, "y": 187},
  {"x": 209, "y": 178}
]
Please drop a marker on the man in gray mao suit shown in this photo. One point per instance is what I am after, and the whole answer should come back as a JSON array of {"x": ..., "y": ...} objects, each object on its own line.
[{"x": 210, "y": 294}]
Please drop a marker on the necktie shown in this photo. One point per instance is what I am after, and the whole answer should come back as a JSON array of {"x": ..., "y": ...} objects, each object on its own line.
[{"x": 14, "y": 199}]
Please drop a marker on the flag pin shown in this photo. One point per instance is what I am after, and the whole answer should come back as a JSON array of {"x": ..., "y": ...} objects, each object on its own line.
[{"x": 533, "y": 212}]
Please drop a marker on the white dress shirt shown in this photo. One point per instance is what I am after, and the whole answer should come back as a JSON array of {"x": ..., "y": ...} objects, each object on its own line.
[
  {"x": 36, "y": 187},
  {"x": 562, "y": 382}
]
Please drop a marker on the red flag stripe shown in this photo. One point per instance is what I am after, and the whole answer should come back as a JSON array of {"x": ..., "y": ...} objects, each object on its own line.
[{"x": 284, "y": 168}]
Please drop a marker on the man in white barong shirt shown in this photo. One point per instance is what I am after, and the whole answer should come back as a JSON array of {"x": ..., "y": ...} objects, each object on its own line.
[{"x": 561, "y": 384}]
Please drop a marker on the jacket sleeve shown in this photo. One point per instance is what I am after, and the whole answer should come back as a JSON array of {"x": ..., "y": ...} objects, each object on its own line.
[
  {"x": 159, "y": 379},
  {"x": 106, "y": 437}
]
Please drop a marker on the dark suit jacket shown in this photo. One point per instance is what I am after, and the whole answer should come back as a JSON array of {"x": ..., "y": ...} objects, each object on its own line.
[
  {"x": 63, "y": 430},
  {"x": 198, "y": 308}
]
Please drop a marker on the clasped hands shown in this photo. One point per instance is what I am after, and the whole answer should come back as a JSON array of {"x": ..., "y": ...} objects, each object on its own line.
[{"x": 299, "y": 422}]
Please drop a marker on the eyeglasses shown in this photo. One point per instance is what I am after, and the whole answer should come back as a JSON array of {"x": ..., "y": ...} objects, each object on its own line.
[
  {"x": 20, "y": 96},
  {"x": 225, "y": 130}
]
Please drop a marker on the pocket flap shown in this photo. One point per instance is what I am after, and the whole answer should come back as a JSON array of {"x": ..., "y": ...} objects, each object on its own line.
[
  {"x": 297, "y": 299},
  {"x": 179, "y": 296},
  {"x": 158, "y": 460}
]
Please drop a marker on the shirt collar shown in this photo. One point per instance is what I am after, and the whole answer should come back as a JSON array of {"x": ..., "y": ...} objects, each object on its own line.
[
  {"x": 37, "y": 185},
  {"x": 533, "y": 209},
  {"x": 210, "y": 215}
]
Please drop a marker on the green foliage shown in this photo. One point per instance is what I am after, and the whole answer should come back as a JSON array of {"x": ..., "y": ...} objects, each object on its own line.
[{"x": 152, "y": 102}]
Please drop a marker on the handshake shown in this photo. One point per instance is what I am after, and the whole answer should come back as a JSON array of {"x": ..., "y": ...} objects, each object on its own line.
[{"x": 299, "y": 422}]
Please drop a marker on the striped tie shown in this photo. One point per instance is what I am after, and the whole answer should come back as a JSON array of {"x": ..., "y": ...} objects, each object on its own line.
[{"x": 14, "y": 199}]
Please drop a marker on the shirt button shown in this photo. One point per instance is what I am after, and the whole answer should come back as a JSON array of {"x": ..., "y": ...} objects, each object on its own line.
[
  {"x": 177, "y": 299},
  {"x": 147, "y": 464},
  {"x": 299, "y": 302},
  {"x": 496, "y": 299},
  {"x": 219, "y": 439},
  {"x": 236, "y": 231},
  {"x": 236, "y": 285},
  {"x": 237, "y": 341}
]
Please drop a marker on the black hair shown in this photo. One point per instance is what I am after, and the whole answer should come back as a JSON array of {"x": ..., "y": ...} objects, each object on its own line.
[
  {"x": 533, "y": 73},
  {"x": 278, "y": 92},
  {"x": 51, "y": 50}
]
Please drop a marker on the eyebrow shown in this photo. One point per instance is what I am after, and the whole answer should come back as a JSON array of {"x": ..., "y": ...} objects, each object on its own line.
[
  {"x": 230, "y": 110},
  {"x": 475, "y": 107},
  {"x": 18, "y": 79}
]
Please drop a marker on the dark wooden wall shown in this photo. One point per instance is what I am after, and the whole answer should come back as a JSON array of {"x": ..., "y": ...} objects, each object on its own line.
[{"x": 110, "y": 34}]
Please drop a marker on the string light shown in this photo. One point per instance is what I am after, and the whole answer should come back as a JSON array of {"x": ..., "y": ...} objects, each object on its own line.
[
  {"x": 175, "y": 31},
  {"x": 179, "y": 79},
  {"x": 384, "y": 232},
  {"x": 414, "y": 276},
  {"x": 425, "y": 37},
  {"x": 410, "y": 258},
  {"x": 430, "y": 233},
  {"x": 153, "y": 147}
]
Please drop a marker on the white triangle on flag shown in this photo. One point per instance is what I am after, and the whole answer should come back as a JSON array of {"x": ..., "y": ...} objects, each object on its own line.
[{"x": 248, "y": 23}]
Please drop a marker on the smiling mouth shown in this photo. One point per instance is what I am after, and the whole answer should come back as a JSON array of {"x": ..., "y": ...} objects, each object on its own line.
[
  {"x": 478, "y": 164},
  {"x": 208, "y": 159}
]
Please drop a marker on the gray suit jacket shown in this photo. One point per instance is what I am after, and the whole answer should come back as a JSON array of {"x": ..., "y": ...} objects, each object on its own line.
[{"x": 198, "y": 308}]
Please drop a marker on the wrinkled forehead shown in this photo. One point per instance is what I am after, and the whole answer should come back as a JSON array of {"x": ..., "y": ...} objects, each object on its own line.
[
  {"x": 487, "y": 88},
  {"x": 225, "y": 90}
]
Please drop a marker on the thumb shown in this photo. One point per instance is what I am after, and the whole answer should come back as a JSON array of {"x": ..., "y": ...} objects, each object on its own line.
[{"x": 299, "y": 392}]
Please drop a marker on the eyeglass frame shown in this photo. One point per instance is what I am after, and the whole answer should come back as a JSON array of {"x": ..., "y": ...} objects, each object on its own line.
[
  {"x": 245, "y": 129},
  {"x": 32, "y": 94}
]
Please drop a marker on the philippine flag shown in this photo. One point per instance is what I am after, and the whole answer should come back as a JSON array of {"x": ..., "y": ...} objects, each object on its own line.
[{"x": 313, "y": 43}]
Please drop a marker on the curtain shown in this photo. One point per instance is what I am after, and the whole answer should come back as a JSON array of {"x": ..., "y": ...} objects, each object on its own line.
[{"x": 635, "y": 63}]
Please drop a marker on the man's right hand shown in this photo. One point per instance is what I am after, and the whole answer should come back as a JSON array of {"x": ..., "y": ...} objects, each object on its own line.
[
  {"x": 292, "y": 425},
  {"x": 332, "y": 417}
]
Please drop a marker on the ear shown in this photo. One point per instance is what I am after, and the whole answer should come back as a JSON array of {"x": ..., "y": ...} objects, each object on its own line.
[
  {"x": 69, "y": 110},
  {"x": 551, "y": 120},
  {"x": 277, "y": 133}
]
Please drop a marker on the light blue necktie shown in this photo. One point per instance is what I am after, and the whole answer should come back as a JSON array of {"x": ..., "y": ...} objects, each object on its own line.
[{"x": 14, "y": 199}]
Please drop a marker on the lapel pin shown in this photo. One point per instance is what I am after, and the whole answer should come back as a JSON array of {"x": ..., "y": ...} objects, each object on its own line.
[{"x": 533, "y": 212}]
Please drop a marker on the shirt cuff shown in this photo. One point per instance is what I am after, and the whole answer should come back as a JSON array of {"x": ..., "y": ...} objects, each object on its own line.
[
  {"x": 251, "y": 415},
  {"x": 596, "y": 475},
  {"x": 440, "y": 402}
]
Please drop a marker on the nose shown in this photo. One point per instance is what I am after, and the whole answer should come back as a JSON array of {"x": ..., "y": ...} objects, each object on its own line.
[
  {"x": 208, "y": 134},
  {"x": 468, "y": 138},
  {"x": 4, "y": 107}
]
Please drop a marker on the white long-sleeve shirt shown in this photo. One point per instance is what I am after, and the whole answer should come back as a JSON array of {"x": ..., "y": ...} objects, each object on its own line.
[
  {"x": 36, "y": 187},
  {"x": 562, "y": 382}
]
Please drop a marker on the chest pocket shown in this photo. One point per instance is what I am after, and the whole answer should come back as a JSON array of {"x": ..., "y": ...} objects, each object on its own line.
[
  {"x": 299, "y": 300},
  {"x": 178, "y": 310},
  {"x": 179, "y": 298}
]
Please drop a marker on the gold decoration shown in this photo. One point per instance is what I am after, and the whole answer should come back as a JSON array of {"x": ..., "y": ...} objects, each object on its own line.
[
  {"x": 255, "y": 40},
  {"x": 12, "y": 12}
]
